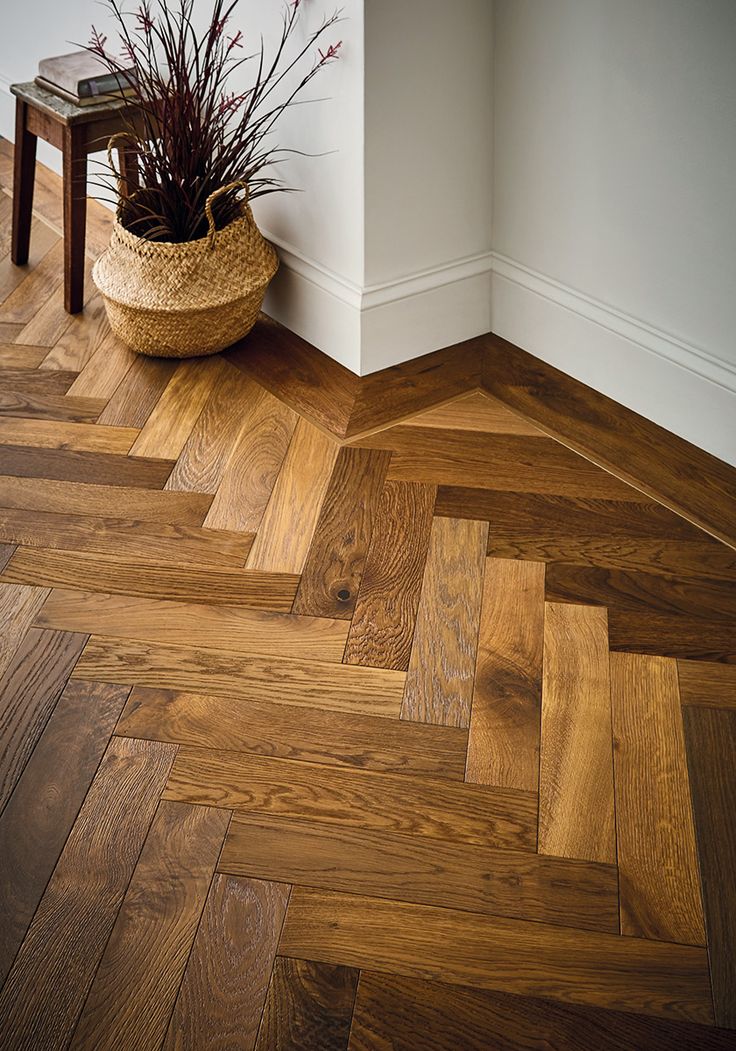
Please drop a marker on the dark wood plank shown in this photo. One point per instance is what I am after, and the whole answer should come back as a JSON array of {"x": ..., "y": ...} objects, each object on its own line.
[
  {"x": 37, "y": 381},
  {"x": 137, "y": 394},
  {"x": 314, "y": 735},
  {"x": 383, "y": 623},
  {"x": 686, "y": 478},
  {"x": 439, "y": 681},
  {"x": 6, "y": 553},
  {"x": 671, "y": 635},
  {"x": 344, "y": 798},
  {"x": 29, "y": 690},
  {"x": 336, "y": 558},
  {"x": 50, "y": 406},
  {"x": 309, "y": 1007},
  {"x": 19, "y": 356},
  {"x": 492, "y": 952},
  {"x": 154, "y": 931},
  {"x": 711, "y": 685},
  {"x": 222, "y": 994},
  {"x": 71, "y": 466},
  {"x": 53, "y": 434},
  {"x": 146, "y": 577},
  {"x": 425, "y": 871},
  {"x": 710, "y": 737},
  {"x": 39, "y": 1004},
  {"x": 37, "y": 820},
  {"x": 404, "y": 1014}
]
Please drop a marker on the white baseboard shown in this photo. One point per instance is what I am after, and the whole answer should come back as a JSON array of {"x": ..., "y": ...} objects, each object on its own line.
[{"x": 681, "y": 387}]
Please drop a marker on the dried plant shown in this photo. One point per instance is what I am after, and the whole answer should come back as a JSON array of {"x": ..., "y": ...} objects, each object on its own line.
[{"x": 192, "y": 134}]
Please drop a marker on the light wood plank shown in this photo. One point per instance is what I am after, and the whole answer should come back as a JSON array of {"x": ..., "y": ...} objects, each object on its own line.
[
  {"x": 17, "y": 356},
  {"x": 33, "y": 283},
  {"x": 288, "y": 523},
  {"x": 50, "y": 434},
  {"x": 19, "y": 605},
  {"x": 50, "y": 406},
  {"x": 43, "y": 238},
  {"x": 576, "y": 799},
  {"x": 660, "y": 893},
  {"x": 50, "y": 321},
  {"x": 138, "y": 392},
  {"x": 35, "y": 382},
  {"x": 474, "y": 412},
  {"x": 503, "y": 747},
  {"x": 81, "y": 339},
  {"x": 489, "y": 952},
  {"x": 342, "y": 798},
  {"x": 439, "y": 682},
  {"x": 105, "y": 370}
]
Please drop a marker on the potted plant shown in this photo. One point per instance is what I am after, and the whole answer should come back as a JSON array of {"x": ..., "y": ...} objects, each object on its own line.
[{"x": 187, "y": 267}]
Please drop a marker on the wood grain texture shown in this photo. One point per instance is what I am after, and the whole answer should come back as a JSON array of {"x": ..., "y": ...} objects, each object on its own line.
[
  {"x": 167, "y": 428},
  {"x": 658, "y": 868},
  {"x": 382, "y": 627},
  {"x": 37, "y": 382},
  {"x": 424, "y": 871},
  {"x": 82, "y": 437},
  {"x": 105, "y": 370},
  {"x": 39, "y": 816},
  {"x": 336, "y": 559},
  {"x": 204, "y": 457},
  {"x": 254, "y": 464},
  {"x": 309, "y": 1007},
  {"x": 672, "y": 635},
  {"x": 576, "y": 797},
  {"x": 403, "y": 1014},
  {"x": 19, "y": 604},
  {"x": 39, "y": 1005},
  {"x": 103, "y": 501},
  {"x": 439, "y": 681},
  {"x": 154, "y": 931},
  {"x": 477, "y": 411},
  {"x": 492, "y": 952},
  {"x": 12, "y": 276},
  {"x": 29, "y": 690},
  {"x": 280, "y": 680},
  {"x": 710, "y": 736},
  {"x": 18, "y": 356},
  {"x": 50, "y": 406},
  {"x": 6, "y": 553},
  {"x": 146, "y": 577},
  {"x": 126, "y": 537},
  {"x": 138, "y": 392},
  {"x": 36, "y": 285},
  {"x": 710, "y": 685},
  {"x": 290, "y": 517},
  {"x": 503, "y": 747},
  {"x": 81, "y": 338},
  {"x": 72, "y": 466},
  {"x": 231, "y": 628},
  {"x": 50, "y": 321},
  {"x": 355, "y": 799},
  {"x": 291, "y": 732},
  {"x": 221, "y": 998}
]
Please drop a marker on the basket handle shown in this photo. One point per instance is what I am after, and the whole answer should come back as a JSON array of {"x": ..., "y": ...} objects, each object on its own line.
[
  {"x": 238, "y": 184},
  {"x": 111, "y": 145}
]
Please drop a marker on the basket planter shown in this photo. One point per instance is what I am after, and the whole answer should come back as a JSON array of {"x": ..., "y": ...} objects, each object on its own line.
[{"x": 189, "y": 299}]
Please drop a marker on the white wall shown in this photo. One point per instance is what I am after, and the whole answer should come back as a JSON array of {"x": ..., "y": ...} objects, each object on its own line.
[{"x": 614, "y": 215}]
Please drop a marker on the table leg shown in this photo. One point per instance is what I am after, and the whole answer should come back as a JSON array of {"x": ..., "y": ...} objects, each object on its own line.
[
  {"x": 75, "y": 217},
  {"x": 24, "y": 172}
]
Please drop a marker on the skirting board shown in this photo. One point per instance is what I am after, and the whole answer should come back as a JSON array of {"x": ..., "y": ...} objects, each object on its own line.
[{"x": 678, "y": 387}]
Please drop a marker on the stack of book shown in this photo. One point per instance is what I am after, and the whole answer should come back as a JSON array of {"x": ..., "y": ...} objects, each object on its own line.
[{"x": 82, "y": 78}]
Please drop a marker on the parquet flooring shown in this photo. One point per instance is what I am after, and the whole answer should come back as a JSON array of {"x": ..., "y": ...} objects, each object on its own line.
[{"x": 347, "y": 715}]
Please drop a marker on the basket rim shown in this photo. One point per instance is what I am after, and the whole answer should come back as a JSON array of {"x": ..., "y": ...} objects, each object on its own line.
[{"x": 136, "y": 241}]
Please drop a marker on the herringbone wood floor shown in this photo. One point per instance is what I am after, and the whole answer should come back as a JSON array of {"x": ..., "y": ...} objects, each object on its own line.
[{"x": 421, "y": 741}]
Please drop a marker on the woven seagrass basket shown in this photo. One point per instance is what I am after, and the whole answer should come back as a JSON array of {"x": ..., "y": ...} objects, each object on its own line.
[{"x": 189, "y": 299}]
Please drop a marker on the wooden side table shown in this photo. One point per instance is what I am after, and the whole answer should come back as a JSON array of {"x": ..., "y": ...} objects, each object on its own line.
[{"x": 77, "y": 131}]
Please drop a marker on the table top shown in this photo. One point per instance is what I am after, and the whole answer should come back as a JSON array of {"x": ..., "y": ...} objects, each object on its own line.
[{"x": 63, "y": 111}]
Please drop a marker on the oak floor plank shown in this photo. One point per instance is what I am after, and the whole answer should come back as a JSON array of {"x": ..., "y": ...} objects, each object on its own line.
[
  {"x": 36, "y": 381},
  {"x": 710, "y": 738},
  {"x": 138, "y": 392},
  {"x": 29, "y": 690},
  {"x": 221, "y": 998},
  {"x": 71, "y": 466},
  {"x": 171, "y": 422},
  {"x": 81, "y": 339},
  {"x": 710, "y": 685},
  {"x": 309, "y": 1007},
  {"x": 39, "y": 1004},
  {"x": 404, "y": 1014},
  {"x": 50, "y": 406},
  {"x": 439, "y": 681},
  {"x": 503, "y": 746},
  {"x": 336, "y": 559},
  {"x": 19, "y": 604},
  {"x": 315, "y": 735},
  {"x": 6, "y": 553},
  {"x": 474, "y": 412},
  {"x": 576, "y": 796},
  {"x": 39, "y": 816},
  {"x": 172, "y": 543},
  {"x": 43, "y": 239},
  {"x": 254, "y": 464},
  {"x": 425, "y": 871},
  {"x": 18, "y": 356},
  {"x": 154, "y": 931},
  {"x": 230, "y": 628},
  {"x": 203, "y": 459},
  {"x": 51, "y": 320},
  {"x": 672, "y": 635},
  {"x": 382, "y": 627},
  {"x": 104, "y": 371},
  {"x": 104, "y": 501},
  {"x": 290, "y": 517},
  {"x": 658, "y": 868},
  {"x": 492, "y": 952},
  {"x": 101, "y": 571},
  {"x": 34, "y": 283},
  {"x": 82, "y": 437},
  {"x": 364, "y": 799},
  {"x": 8, "y": 331},
  {"x": 280, "y": 680}
]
